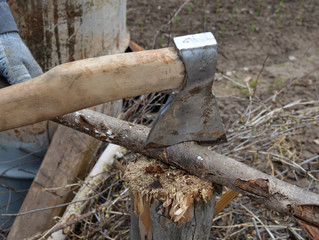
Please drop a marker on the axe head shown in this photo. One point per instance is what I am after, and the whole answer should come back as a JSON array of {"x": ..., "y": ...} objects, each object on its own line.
[{"x": 191, "y": 114}]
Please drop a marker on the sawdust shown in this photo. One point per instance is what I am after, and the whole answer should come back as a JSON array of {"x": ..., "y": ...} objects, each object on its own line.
[{"x": 152, "y": 180}]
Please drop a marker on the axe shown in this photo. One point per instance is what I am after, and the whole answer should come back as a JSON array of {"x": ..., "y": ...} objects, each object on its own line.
[{"x": 187, "y": 70}]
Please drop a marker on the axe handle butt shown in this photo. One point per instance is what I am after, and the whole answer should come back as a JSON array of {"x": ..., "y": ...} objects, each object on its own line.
[{"x": 81, "y": 84}]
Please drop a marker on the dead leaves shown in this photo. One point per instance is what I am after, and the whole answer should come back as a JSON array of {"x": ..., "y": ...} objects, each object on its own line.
[{"x": 154, "y": 169}]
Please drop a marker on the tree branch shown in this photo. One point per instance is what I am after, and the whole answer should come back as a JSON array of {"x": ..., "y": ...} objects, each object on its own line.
[{"x": 276, "y": 194}]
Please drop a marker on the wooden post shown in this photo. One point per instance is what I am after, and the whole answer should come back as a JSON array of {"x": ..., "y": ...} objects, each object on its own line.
[
  {"x": 168, "y": 203},
  {"x": 62, "y": 31},
  {"x": 57, "y": 32}
]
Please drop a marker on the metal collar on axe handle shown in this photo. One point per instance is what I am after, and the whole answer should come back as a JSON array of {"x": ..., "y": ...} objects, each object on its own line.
[{"x": 192, "y": 113}]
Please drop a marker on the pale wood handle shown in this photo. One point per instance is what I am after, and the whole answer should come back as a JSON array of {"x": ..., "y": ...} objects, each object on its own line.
[{"x": 85, "y": 83}]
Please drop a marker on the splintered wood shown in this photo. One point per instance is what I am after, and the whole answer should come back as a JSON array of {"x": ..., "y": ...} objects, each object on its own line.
[{"x": 170, "y": 198}]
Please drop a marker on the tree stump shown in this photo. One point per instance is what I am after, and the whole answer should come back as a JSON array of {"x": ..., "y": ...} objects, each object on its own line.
[{"x": 168, "y": 203}]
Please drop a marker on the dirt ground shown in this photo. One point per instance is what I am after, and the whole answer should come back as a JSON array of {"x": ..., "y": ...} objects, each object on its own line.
[
  {"x": 246, "y": 31},
  {"x": 281, "y": 35},
  {"x": 272, "y": 45}
]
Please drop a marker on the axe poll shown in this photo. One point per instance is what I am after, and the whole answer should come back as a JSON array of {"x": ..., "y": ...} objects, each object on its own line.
[{"x": 187, "y": 70}]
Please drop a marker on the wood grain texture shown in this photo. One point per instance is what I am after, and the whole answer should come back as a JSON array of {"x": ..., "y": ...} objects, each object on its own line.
[
  {"x": 61, "y": 31},
  {"x": 197, "y": 227},
  {"x": 85, "y": 83},
  {"x": 67, "y": 157}
]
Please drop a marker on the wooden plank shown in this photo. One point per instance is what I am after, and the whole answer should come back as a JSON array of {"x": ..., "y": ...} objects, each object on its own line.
[{"x": 67, "y": 158}]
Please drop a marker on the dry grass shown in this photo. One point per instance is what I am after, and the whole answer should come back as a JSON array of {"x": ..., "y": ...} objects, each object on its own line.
[{"x": 264, "y": 136}]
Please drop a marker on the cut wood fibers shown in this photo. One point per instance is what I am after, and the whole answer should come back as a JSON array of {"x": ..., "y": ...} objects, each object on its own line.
[{"x": 152, "y": 180}]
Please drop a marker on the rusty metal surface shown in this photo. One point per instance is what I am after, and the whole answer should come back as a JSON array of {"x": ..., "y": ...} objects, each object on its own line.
[{"x": 191, "y": 114}]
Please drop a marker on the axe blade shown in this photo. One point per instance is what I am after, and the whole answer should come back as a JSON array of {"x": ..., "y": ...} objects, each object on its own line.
[{"x": 192, "y": 113}]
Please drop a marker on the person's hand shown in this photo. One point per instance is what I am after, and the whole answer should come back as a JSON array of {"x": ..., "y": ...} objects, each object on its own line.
[{"x": 16, "y": 61}]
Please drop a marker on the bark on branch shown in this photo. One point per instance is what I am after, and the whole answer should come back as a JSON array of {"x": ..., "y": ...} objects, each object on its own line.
[{"x": 197, "y": 160}]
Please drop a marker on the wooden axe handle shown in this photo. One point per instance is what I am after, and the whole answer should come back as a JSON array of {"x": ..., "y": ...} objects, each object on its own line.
[{"x": 76, "y": 85}]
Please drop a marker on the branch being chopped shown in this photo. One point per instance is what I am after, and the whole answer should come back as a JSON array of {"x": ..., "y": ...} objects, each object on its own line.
[{"x": 278, "y": 195}]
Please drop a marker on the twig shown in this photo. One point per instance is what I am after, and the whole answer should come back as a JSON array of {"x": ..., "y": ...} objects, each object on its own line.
[
  {"x": 297, "y": 235},
  {"x": 168, "y": 23},
  {"x": 48, "y": 208},
  {"x": 257, "y": 229},
  {"x": 252, "y": 225},
  {"x": 303, "y": 163},
  {"x": 79, "y": 218},
  {"x": 261, "y": 70},
  {"x": 92, "y": 181},
  {"x": 230, "y": 79},
  {"x": 235, "y": 233},
  {"x": 290, "y": 84},
  {"x": 257, "y": 218},
  {"x": 204, "y": 6}
]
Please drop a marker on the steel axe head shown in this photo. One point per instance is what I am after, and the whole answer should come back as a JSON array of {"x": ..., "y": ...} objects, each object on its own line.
[{"x": 191, "y": 114}]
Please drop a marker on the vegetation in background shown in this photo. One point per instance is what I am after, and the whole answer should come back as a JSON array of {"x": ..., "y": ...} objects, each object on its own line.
[{"x": 175, "y": 21}]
